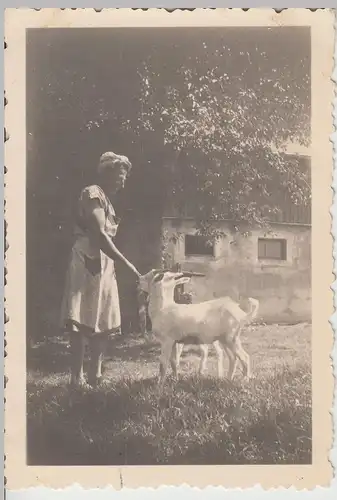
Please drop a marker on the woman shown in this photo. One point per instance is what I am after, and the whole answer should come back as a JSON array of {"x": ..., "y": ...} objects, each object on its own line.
[{"x": 90, "y": 308}]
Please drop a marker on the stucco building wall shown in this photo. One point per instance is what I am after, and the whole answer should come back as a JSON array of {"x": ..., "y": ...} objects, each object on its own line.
[{"x": 282, "y": 286}]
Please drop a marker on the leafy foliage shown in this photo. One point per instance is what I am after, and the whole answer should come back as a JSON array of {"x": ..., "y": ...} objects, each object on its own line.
[
  {"x": 226, "y": 131},
  {"x": 214, "y": 108}
]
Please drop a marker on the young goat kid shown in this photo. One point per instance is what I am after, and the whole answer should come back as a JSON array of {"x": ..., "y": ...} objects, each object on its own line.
[{"x": 218, "y": 322}]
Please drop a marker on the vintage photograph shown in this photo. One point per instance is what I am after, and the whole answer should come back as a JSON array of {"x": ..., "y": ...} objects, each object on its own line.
[
  {"x": 169, "y": 236},
  {"x": 180, "y": 151}
]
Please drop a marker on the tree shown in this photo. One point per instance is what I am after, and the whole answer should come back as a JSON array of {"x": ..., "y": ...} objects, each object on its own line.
[
  {"x": 224, "y": 119},
  {"x": 212, "y": 109}
]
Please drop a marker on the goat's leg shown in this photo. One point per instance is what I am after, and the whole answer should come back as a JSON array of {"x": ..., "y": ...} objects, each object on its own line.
[
  {"x": 142, "y": 310},
  {"x": 244, "y": 358},
  {"x": 142, "y": 319},
  {"x": 232, "y": 362},
  {"x": 175, "y": 358},
  {"x": 203, "y": 360},
  {"x": 219, "y": 353},
  {"x": 165, "y": 356},
  {"x": 77, "y": 345},
  {"x": 173, "y": 361},
  {"x": 179, "y": 350}
]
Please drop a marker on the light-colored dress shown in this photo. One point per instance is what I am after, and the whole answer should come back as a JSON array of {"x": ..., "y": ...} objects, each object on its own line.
[{"x": 91, "y": 301}]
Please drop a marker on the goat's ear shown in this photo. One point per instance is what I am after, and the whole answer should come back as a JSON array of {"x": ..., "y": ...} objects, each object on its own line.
[
  {"x": 160, "y": 271},
  {"x": 178, "y": 276},
  {"x": 188, "y": 274},
  {"x": 158, "y": 278}
]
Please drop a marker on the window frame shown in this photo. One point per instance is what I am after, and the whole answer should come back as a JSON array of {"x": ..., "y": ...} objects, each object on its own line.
[
  {"x": 209, "y": 255},
  {"x": 283, "y": 250}
]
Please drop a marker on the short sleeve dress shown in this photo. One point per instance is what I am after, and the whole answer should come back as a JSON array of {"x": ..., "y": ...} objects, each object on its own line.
[{"x": 90, "y": 301}]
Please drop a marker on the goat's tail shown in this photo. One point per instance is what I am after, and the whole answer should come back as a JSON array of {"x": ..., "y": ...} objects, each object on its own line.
[{"x": 253, "y": 309}]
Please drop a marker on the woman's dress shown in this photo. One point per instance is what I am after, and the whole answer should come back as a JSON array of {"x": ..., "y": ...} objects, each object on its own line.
[{"x": 90, "y": 301}]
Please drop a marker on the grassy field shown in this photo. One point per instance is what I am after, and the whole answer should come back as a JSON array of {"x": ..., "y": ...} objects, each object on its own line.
[{"x": 197, "y": 420}]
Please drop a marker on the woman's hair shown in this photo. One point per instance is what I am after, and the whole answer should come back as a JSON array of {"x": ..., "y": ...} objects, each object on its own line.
[{"x": 112, "y": 160}]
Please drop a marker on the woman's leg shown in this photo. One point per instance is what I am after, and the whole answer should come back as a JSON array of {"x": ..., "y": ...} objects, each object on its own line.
[
  {"x": 77, "y": 345},
  {"x": 97, "y": 345}
]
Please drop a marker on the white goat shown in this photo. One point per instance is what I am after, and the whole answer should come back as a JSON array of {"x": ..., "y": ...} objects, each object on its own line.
[{"x": 218, "y": 322}]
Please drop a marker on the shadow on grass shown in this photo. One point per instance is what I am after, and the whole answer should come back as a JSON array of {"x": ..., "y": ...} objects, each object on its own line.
[
  {"x": 53, "y": 355},
  {"x": 194, "y": 421},
  {"x": 69, "y": 426},
  {"x": 50, "y": 356}
]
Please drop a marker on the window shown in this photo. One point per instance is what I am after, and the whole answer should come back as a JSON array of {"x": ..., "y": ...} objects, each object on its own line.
[
  {"x": 198, "y": 245},
  {"x": 273, "y": 249}
]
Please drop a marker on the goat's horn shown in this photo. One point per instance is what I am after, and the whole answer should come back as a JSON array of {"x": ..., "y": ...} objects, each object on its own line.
[{"x": 189, "y": 274}]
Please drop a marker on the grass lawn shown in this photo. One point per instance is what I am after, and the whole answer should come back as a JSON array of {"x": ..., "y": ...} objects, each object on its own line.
[{"x": 197, "y": 420}]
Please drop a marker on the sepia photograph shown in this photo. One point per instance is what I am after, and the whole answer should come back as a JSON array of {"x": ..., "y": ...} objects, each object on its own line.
[
  {"x": 168, "y": 209},
  {"x": 169, "y": 259}
]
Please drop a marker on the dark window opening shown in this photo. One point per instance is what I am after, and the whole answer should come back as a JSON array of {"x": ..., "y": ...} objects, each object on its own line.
[
  {"x": 198, "y": 245},
  {"x": 273, "y": 249}
]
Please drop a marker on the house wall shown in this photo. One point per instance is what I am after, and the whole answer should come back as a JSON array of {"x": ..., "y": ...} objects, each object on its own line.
[{"x": 283, "y": 287}]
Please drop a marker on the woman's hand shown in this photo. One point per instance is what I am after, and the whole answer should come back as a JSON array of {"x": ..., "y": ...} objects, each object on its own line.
[{"x": 134, "y": 270}]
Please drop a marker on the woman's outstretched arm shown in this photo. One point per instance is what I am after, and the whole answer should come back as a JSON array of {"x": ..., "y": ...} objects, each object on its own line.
[{"x": 96, "y": 220}]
